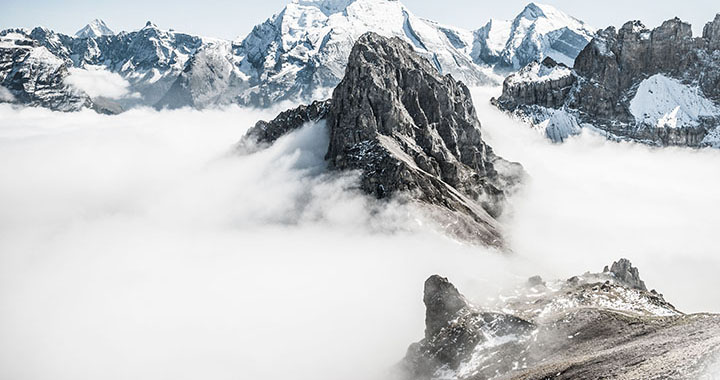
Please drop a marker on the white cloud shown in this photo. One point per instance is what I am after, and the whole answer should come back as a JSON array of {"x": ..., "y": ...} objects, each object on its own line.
[
  {"x": 590, "y": 201},
  {"x": 136, "y": 242},
  {"x": 96, "y": 81},
  {"x": 6, "y": 95}
]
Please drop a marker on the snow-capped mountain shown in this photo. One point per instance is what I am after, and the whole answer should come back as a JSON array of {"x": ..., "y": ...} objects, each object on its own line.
[
  {"x": 95, "y": 28},
  {"x": 539, "y": 31},
  {"x": 31, "y": 74},
  {"x": 297, "y": 55},
  {"x": 659, "y": 87},
  {"x": 149, "y": 59},
  {"x": 302, "y": 52}
]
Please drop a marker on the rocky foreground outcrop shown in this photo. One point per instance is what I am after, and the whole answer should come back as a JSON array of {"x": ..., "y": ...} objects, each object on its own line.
[
  {"x": 659, "y": 86},
  {"x": 595, "y": 326},
  {"x": 411, "y": 133}
]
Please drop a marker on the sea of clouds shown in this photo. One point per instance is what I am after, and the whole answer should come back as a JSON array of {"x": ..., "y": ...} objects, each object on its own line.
[{"x": 142, "y": 246}]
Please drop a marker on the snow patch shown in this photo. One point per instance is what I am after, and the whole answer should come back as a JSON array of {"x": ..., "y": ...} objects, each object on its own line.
[
  {"x": 537, "y": 72},
  {"x": 665, "y": 102}
]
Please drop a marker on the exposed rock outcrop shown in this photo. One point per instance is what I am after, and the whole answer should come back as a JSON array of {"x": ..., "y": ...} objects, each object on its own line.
[
  {"x": 625, "y": 272},
  {"x": 601, "y": 325},
  {"x": 409, "y": 132},
  {"x": 659, "y": 86}
]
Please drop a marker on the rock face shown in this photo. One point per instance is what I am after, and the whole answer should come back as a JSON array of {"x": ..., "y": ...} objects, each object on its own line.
[
  {"x": 625, "y": 272},
  {"x": 410, "y": 132},
  {"x": 591, "y": 326},
  {"x": 658, "y": 87}
]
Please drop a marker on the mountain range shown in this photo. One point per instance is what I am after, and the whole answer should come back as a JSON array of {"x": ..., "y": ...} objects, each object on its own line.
[
  {"x": 296, "y": 55},
  {"x": 659, "y": 87}
]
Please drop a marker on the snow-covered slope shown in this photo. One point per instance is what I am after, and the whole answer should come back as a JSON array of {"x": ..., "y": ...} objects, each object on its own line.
[
  {"x": 95, "y": 28},
  {"x": 539, "y": 31},
  {"x": 663, "y": 102},
  {"x": 301, "y": 52}
]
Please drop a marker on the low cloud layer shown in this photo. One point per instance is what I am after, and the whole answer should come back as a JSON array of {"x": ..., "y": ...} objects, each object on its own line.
[
  {"x": 136, "y": 246},
  {"x": 96, "y": 81},
  {"x": 590, "y": 201}
]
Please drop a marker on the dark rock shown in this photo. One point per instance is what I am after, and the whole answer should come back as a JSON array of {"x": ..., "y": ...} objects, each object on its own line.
[
  {"x": 442, "y": 304},
  {"x": 410, "y": 132},
  {"x": 453, "y": 329},
  {"x": 625, "y": 272},
  {"x": 265, "y": 133}
]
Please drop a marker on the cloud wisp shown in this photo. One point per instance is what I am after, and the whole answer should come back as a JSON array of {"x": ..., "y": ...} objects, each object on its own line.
[{"x": 97, "y": 82}]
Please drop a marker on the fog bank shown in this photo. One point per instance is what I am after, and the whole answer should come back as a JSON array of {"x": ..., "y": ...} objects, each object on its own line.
[{"x": 138, "y": 247}]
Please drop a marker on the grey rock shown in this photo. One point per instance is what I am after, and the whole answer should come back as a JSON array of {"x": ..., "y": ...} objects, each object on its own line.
[
  {"x": 624, "y": 271},
  {"x": 590, "y": 328},
  {"x": 607, "y": 75},
  {"x": 411, "y": 132},
  {"x": 265, "y": 133}
]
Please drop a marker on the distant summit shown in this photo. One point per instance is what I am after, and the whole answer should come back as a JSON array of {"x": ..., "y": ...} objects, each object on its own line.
[
  {"x": 95, "y": 28},
  {"x": 539, "y": 31}
]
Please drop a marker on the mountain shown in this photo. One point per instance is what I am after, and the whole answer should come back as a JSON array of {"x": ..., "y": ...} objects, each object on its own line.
[
  {"x": 301, "y": 53},
  {"x": 298, "y": 55},
  {"x": 539, "y": 31},
  {"x": 412, "y": 134},
  {"x": 659, "y": 87},
  {"x": 95, "y": 28},
  {"x": 149, "y": 60},
  {"x": 31, "y": 75},
  {"x": 597, "y": 325}
]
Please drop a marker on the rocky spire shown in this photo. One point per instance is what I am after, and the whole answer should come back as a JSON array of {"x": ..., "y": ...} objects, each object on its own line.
[
  {"x": 410, "y": 132},
  {"x": 442, "y": 303},
  {"x": 624, "y": 271}
]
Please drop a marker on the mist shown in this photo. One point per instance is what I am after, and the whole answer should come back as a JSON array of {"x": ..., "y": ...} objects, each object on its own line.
[
  {"x": 139, "y": 246},
  {"x": 590, "y": 201}
]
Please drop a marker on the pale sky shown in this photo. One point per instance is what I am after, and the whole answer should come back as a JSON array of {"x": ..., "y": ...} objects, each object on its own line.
[{"x": 231, "y": 19}]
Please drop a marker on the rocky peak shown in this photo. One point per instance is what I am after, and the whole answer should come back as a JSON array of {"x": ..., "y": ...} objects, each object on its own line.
[
  {"x": 410, "y": 129},
  {"x": 95, "y": 28},
  {"x": 412, "y": 133},
  {"x": 443, "y": 302},
  {"x": 624, "y": 271},
  {"x": 532, "y": 11}
]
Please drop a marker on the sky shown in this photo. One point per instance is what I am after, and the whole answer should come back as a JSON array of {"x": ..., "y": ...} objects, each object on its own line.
[{"x": 233, "y": 19}]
